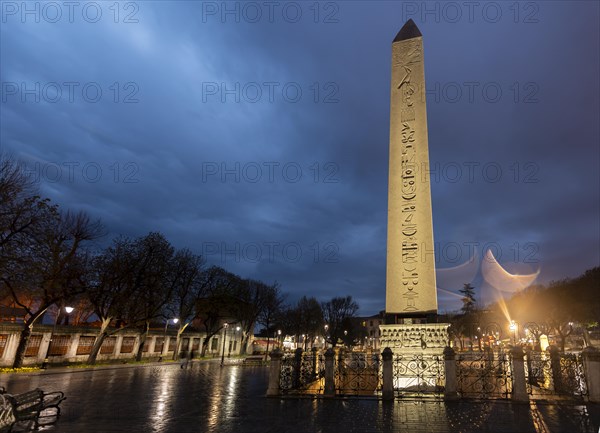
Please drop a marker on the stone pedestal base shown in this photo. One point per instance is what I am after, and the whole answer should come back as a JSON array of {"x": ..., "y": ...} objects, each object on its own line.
[{"x": 424, "y": 338}]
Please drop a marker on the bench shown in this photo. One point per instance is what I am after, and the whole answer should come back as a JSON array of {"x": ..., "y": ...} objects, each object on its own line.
[
  {"x": 36, "y": 408},
  {"x": 254, "y": 360}
]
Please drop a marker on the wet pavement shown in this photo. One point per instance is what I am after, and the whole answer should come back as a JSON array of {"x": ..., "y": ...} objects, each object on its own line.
[{"x": 230, "y": 399}]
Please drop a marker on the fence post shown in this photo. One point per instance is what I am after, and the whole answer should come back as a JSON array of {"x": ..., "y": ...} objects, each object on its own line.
[
  {"x": 341, "y": 358},
  {"x": 388, "y": 374},
  {"x": 489, "y": 356},
  {"x": 450, "y": 388},
  {"x": 555, "y": 367},
  {"x": 519, "y": 387},
  {"x": 591, "y": 364},
  {"x": 528, "y": 357},
  {"x": 329, "y": 373},
  {"x": 297, "y": 368},
  {"x": 274, "y": 372},
  {"x": 314, "y": 362}
]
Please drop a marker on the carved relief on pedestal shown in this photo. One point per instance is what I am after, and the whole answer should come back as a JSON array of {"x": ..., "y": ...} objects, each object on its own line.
[{"x": 415, "y": 338}]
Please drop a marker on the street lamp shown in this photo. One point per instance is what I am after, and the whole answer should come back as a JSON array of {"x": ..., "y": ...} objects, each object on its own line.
[
  {"x": 167, "y": 325},
  {"x": 68, "y": 310},
  {"x": 237, "y": 329},
  {"x": 224, "y": 338}
]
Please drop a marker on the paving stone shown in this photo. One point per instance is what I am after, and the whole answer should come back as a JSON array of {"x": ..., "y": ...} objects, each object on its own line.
[{"x": 230, "y": 399}]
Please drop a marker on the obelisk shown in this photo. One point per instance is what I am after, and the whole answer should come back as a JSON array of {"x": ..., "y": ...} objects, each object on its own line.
[{"x": 410, "y": 279}]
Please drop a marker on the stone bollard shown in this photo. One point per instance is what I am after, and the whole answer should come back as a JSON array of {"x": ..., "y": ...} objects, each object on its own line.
[
  {"x": 329, "y": 373},
  {"x": 450, "y": 388},
  {"x": 591, "y": 364},
  {"x": 297, "y": 368},
  {"x": 555, "y": 368},
  {"x": 388, "y": 374},
  {"x": 274, "y": 373},
  {"x": 519, "y": 386},
  {"x": 314, "y": 362}
]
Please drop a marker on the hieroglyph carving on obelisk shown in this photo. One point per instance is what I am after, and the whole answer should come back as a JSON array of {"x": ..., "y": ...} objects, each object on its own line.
[{"x": 410, "y": 277}]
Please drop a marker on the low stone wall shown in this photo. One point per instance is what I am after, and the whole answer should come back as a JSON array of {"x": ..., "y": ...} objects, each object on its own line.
[{"x": 73, "y": 344}]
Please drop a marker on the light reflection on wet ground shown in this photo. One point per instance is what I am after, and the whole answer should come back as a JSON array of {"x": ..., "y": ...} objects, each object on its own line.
[{"x": 230, "y": 399}]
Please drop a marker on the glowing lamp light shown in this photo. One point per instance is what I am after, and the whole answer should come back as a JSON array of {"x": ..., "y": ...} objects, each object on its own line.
[
  {"x": 175, "y": 320},
  {"x": 69, "y": 310}
]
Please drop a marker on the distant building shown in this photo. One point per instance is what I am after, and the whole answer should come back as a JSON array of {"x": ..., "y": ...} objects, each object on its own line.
[{"x": 371, "y": 329}]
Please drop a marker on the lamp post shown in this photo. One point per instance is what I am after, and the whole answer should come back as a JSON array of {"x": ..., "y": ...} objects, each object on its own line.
[
  {"x": 224, "y": 338},
  {"x": 237, "y": 329},
  {"x": 326, "y": 329},
  {"x": 175, "y": 322},
  {"x": 279, "y": 338},
  {"x": 68, "y": 310}
]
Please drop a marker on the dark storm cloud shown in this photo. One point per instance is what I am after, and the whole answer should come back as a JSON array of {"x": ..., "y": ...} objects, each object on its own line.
[{"x": 519, "y": 171}]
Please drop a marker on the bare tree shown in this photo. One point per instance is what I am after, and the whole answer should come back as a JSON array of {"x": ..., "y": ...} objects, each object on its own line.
[
  {"x": 188, "y": 288},
  {"x": 112, "y": 290},
  {"x": 336, "y": 313},
  {"x": 23, "y": 215},
  {"x": 250, "y": 300},
  {"x": 272, "y": 302},
  {"x": 153, "y": 282},
  {"x": 49, "y": 267},
  {"x": 311, "y": 318},
  {"x": 218, "y": 306},
  {"x": 305, "y": 318},
  {"x": 563, "y": 329}
]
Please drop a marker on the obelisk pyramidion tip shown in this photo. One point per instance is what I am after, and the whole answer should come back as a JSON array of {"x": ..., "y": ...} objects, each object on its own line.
[{"x": 408, "y": 31}]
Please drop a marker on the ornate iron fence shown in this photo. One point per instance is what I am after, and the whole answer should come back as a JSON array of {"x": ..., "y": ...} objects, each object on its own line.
[
  {"x": 484, "y": 374},
  {"x": 538, "y": 373},
  {"x": 571, "y": 379},
  {"x": 418, "y": 375},
  {"x": 358, "y": 373},
  {"x": 302, "y": 373},
  {"x": 555, "y": 374}
]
